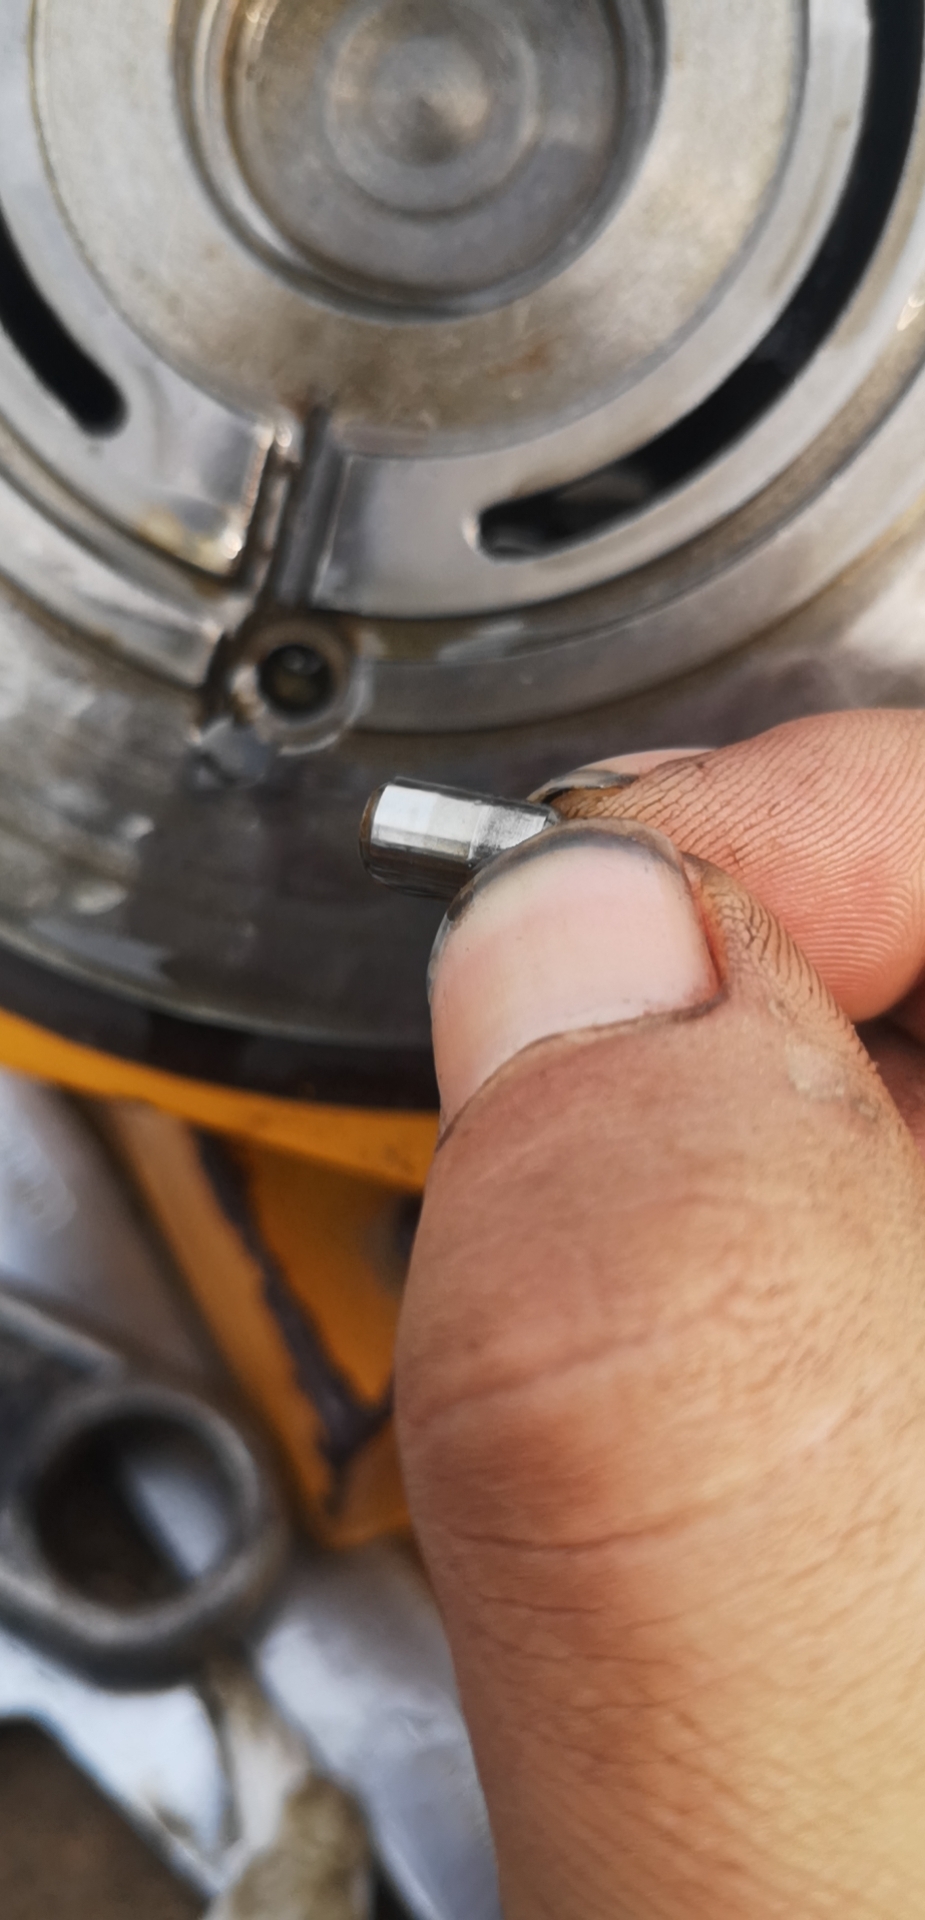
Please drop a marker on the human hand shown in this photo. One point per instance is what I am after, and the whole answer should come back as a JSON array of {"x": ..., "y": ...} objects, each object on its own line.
[{"x": 661, "y": 1385}]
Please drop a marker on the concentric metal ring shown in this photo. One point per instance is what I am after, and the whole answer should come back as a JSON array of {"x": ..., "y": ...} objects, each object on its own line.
[{"x": 432, "y": 152}]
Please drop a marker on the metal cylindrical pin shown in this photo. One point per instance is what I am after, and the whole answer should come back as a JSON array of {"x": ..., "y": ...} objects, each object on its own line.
[{"x": 433, "y": 840}]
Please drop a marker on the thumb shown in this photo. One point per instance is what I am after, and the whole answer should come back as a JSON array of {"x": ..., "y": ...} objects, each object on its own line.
[{"x": 660, "y": 1400}]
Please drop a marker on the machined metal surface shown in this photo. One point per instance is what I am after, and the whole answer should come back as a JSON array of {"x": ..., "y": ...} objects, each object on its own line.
[
  {"x": 549, "y": 378},
  {"x": 433, "y": 152},
  {"x": 431, "y": 840}
]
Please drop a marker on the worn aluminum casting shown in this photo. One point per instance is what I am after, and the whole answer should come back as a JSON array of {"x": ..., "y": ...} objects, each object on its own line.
[{"x": 546, "y": 380}]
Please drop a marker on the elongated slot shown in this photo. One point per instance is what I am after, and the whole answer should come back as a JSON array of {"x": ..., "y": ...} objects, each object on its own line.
[
  {"x": 56, "y": 359},
  {"x": 558, "y": 517}
]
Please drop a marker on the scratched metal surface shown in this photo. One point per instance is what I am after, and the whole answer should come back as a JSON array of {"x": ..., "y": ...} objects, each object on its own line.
[{"x": 64, "y": 1851}]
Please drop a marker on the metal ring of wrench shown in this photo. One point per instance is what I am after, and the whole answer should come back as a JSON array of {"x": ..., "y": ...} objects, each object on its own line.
[{"x": 61, "y": 1389}]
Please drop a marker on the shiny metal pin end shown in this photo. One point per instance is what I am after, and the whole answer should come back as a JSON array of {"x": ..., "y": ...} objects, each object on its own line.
[{"x": 432, "y": 840}]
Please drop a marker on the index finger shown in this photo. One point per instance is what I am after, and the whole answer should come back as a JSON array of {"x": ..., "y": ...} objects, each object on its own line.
[{"x": 823, "y": 820}]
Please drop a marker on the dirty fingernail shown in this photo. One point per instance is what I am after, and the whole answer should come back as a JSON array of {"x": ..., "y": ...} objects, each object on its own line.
[
  {"x": 589, "y": 926},
  {"x": 634, "y": 765},
  {"x": 603, "y": 775},
  {"x": 589, "y": 779}
]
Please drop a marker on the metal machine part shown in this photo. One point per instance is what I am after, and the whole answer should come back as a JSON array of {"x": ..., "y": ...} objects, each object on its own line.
[
  {"x": 431, "y": 840},
  {"x": 64, "y": 1394},
  {"x": 208, "y": 1774},
  {"x": 347, "y": 1671},
  {"x": 351, "y": 1675},
  {"x": 465, "y": 386},
  {"x": 434, "y": 840},
  {"x": 353, "y": 1657}
]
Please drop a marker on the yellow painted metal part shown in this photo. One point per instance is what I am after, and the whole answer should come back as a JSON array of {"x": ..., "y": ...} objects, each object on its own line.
[
  {"x": 395, "y": 1148},
  {"x": 298, "y": 1272}
]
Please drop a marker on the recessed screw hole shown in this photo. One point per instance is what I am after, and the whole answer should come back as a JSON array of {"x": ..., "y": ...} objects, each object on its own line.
[{"x": 296, "y": 680}]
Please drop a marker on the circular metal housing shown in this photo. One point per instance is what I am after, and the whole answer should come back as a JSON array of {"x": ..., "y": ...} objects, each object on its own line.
[
  {"x": 549, "y": 378},
  {"x": 440, "y": 152}
]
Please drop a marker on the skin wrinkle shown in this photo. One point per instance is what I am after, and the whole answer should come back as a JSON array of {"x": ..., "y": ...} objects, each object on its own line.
[
  {"x": 672, "y": 1759},
  {"x": 720, "y": 1488},
  {"x": 714, "y": 1508},
  {"x": 592, "y": 1840},
  {"x": 656, "y": 1518},
  {"x": 654, "y": 1620},
  {"x": 656, "y": 1664},
  {"x": 712, "y": 1526},
  {"x": 574, "y": 1377},
  {"x": 709, "y": 1189},
  {"x": 691, "y": 1871},
  {"x": 601, "y": 1722},
  {"x": 581, "y": 1037},
  {"x": 665, "y": 1713},
  {"x": 691, "y": 1874},
  {"x": 725, "y": 1661},
  {"x": 725, "y": 1176}
]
